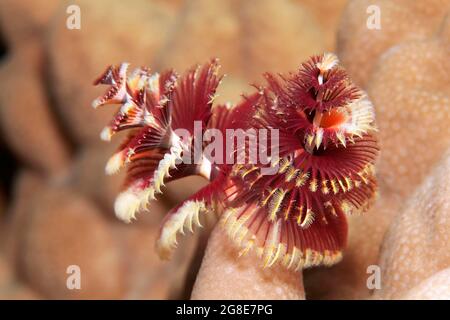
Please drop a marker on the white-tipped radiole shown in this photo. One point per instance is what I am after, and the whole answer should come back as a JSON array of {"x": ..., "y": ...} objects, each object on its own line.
[
  {"x": 329, "y": 61},
  {"x": 115, "y": 163},
  {"x": 137, "y": 197},
  {"x": 166, "y": 164},
  {"x": 187, "y": 216},
  {"x": 96, "y": 103},
  {"x": 106, "y": 134},
  {"x": 133, "y": 200},
  {"x": 126, "y": 205},
  {"x": 362, "y": 117}
]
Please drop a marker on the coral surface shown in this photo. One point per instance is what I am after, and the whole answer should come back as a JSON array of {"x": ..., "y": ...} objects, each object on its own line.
[{"x": 52, "y": 177}]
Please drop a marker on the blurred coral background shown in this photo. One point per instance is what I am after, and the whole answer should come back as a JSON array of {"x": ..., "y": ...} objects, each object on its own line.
[{"x": 56, "y": 202}]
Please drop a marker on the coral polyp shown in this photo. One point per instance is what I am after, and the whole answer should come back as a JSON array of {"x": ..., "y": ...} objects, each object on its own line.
[{"x": 295, "y": 215}]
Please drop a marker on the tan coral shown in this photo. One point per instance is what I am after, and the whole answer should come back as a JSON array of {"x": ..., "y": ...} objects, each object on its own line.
[
  {"x": 412, "y": 101},
  {"x": 176, "y": 5},
  {"x": 359, "y": 47},
  {"x": 64, "y": 229},
  {"x": 25, "y": 114},
  {"x": 17, "y": 290},
  {"x": 23, "y": 194},
  {"x": 348, "y": 279},
  {"x": 328, "y": 15},
  {"x": 417, "y": 244},
  {"x": 436, "y": 287},
  {"x": 231, "y": 90},
  {"x": 247, "y": 36},
  {"x": 223, "y": 276},
  {"x": 88, "y": 175},
  {"x": 146, "y": 275},
  {"x": 6, "y": 273},
  {"x": 77, "y": 56},
  {"x": 191, "y": 42},
  {"x": 177, "y": 192},
  {"x": 21, "y": 20},
  {"x": 277, "y": 36},
  {"x": 2, "y": 206},
  {"x": 410, "y": 92},
  {"x": 10, "y": 287}
]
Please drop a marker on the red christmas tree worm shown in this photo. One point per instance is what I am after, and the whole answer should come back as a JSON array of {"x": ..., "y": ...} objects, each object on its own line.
[{"x": 294, "y": 216}]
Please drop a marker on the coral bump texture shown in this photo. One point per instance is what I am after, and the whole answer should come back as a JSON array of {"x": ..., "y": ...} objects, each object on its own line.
[{"x": 294, "y": 216}]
